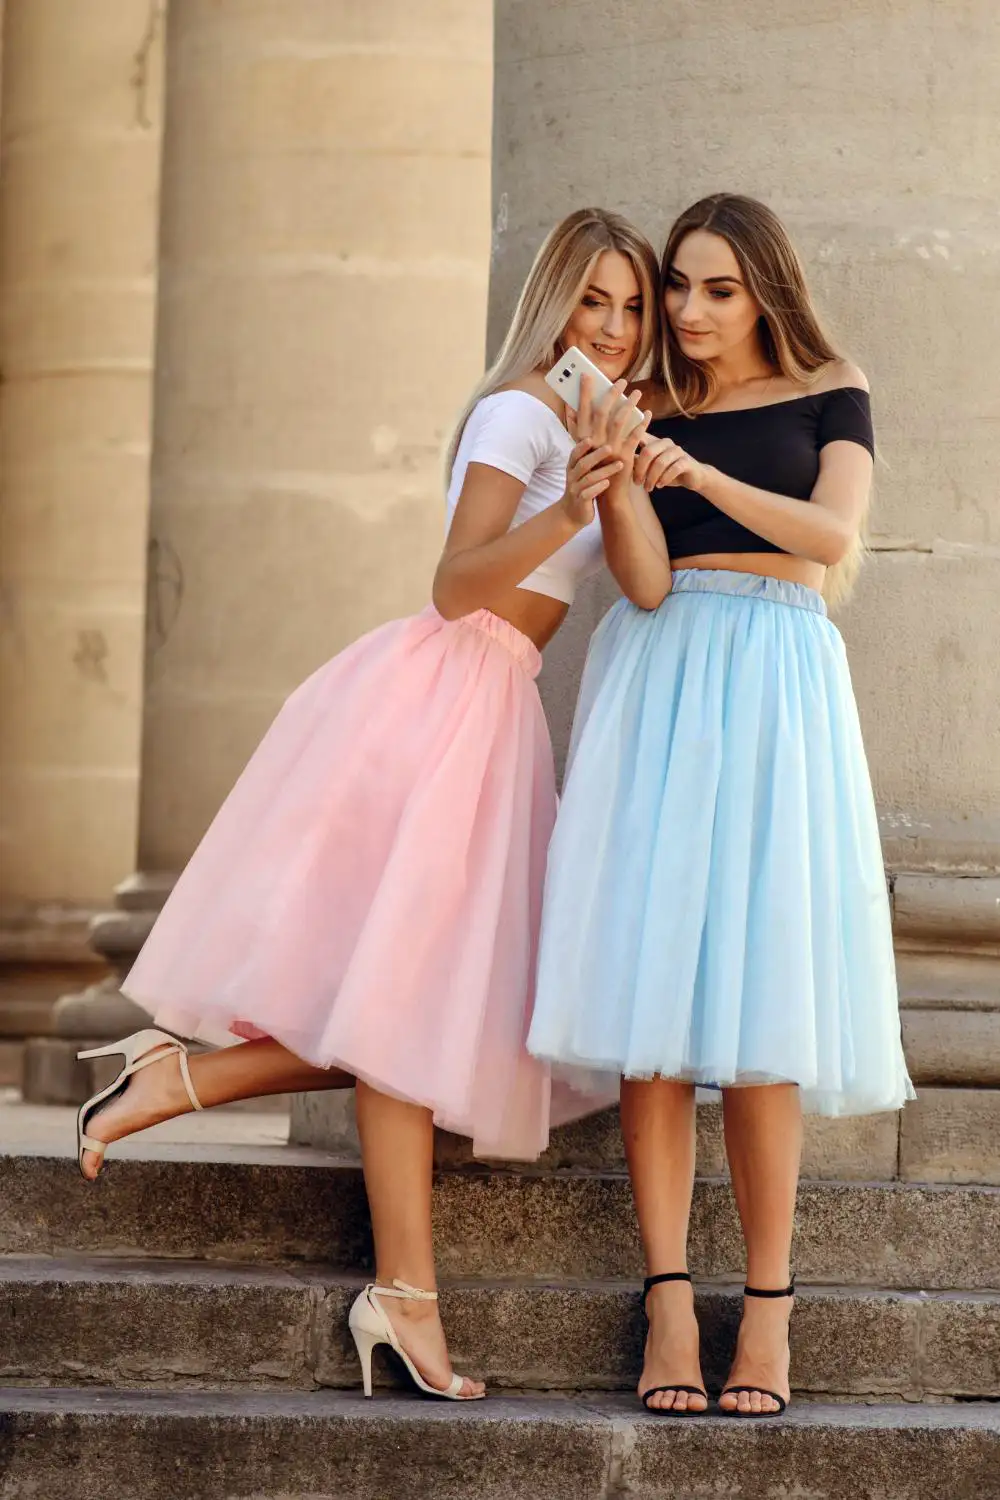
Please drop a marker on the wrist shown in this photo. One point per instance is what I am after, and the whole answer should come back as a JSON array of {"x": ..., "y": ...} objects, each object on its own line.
[
  {"x": 712, "y": 479},
  {"x": 574, "y": 513}
]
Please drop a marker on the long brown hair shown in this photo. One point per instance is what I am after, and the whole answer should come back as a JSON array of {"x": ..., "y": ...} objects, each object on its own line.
[
  {"x": 558, "y": 278},
  {"x": 792, "y": 337}
]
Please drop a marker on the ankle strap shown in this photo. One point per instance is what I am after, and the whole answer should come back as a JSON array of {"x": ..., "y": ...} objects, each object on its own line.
[
  {"x": 651, "y": 1281},
  {"x": 404, "y": 1290},
  {"x": 756, "y": 1291}
]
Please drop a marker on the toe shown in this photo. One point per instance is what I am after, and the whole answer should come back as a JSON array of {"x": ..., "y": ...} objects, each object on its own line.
[
  {"x": 728, "y": 1402},
  {"x": 756, "y": 1402},
  {"x": 681, "y": 1400},
  {"x": 472, "y": 1388}
]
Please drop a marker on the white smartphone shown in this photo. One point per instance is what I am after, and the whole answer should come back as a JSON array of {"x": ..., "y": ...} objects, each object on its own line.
[{"x": 566, "y": 374}]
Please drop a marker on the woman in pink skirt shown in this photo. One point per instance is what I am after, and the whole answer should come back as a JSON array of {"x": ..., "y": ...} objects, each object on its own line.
[{"x": 364, "y": 909}]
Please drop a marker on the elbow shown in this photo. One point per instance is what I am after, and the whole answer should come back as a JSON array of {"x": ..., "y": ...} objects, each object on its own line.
[
  {"x": 648, "y": 599},
  {"x": 443, "y": 597},
  {"x": 835, "y": 548}
]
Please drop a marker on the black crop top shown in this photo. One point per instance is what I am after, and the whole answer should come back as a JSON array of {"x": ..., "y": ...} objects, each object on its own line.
[{"x": 773, "y": 447}]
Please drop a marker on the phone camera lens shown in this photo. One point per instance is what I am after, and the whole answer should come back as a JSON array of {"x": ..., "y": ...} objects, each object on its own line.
[{"x": 566, "y": 374}]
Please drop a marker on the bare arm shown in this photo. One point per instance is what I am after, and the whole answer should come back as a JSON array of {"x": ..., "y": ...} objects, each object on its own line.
[
  {"x": 823, "y": 531},
  {"x": 635, "y": 547},
  {"x": 483, "y": 557},
  {"x": 634, "y": 544}
]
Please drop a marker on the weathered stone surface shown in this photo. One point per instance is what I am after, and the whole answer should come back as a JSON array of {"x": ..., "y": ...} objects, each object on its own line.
[
  {"x": 324, "y": 1445},
  {"x": 289, "y": 1203},
  {"x": 954, "y": 908},
  {"x": 165, "y": 1323},
  {"x": 863, "y": 1149},
  {"x": 961, "y": 1344},
  {"x": 951, "y": 1135},
  {"x": 122, "y": 1324},
  {"x": 100, "y": 1011},
  {"x": 951, "y": 981},
  {"x": 67, "y": 1445},
  {"x": 961, "y": 1048},
  {"x": 52, "y": 1074},
  {"x": 830, "y": 1453},
  {"x": 11, "y": 1064}
]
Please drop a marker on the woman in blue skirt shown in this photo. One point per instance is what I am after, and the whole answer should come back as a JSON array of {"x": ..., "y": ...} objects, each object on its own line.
[{"x": 716, "y": 908}]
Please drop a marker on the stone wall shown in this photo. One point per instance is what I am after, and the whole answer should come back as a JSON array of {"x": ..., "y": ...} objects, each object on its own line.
[
  {"x": 870, "y": 130},
  {"x": 80, "y": 144}
]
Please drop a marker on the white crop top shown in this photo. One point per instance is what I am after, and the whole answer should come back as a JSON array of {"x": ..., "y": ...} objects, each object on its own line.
[{"x": 517, "y": 433}]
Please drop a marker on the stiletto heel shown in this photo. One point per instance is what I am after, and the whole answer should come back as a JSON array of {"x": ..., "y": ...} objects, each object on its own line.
[
  {"x": 654, "y": 1390},
  {"x": 370, "y": 1326},
  {"x": 139, "y": 1051},
  {"x": 736, "y": 1390}
]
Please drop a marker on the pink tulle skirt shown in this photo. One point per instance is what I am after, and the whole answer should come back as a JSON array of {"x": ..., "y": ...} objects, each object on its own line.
[{"x": 370, "y": 892}]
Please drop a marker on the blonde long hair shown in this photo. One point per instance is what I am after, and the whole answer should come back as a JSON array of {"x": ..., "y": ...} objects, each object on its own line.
[
  {"x": 558, "y": 277},
  {"x": 792, "y": 337}
]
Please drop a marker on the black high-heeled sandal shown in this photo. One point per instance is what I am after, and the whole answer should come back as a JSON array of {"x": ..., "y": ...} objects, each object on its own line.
[
  {"x": 736, "y": 1390},
  {"x": 690, "y": 1390}
]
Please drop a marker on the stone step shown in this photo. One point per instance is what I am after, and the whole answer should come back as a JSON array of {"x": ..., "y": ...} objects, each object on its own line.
[
  {"x": 89, "y": 1445},
  {"x": 946, "y": 1135},
  {"x": 287, "y": 1203},
  {"x": 104, "y": 1322}
]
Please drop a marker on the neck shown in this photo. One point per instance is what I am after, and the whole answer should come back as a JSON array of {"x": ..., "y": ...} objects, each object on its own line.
[{"x": 741, "y": 366}]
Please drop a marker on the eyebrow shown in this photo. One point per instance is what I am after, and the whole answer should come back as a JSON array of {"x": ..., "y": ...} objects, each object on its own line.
[
  {"x": 709, "y": 280},
  {"x": 636, "y": 296}
]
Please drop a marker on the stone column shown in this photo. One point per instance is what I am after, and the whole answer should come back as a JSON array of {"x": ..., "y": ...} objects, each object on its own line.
[
  {"x": 323, "y": 271},
  {"x": 80, "y": 148},
  {"x": 870, "y": 130}
]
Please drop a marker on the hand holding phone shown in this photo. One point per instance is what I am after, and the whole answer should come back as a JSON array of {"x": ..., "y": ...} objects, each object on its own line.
[{"x": 566, "y": 376}]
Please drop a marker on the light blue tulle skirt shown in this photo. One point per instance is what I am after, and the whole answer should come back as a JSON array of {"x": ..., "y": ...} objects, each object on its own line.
[{"x": 715, "y": 905}]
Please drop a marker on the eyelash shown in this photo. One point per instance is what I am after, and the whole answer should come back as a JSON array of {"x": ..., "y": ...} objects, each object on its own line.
[
  {"x": 593, "y": 302},
  {"x": 719, "y": 293}
]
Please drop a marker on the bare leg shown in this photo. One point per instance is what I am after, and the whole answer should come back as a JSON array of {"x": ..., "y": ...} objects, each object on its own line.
[
  {"x": 248, "y": 1071},
  {"x": 658, "y": 1126},
  {"x": 764, "y": 1146},
  {"x": 397, "y": 1151}
]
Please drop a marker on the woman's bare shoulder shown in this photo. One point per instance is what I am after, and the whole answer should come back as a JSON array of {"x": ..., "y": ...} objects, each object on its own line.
[{"x": 840, "y": 373}]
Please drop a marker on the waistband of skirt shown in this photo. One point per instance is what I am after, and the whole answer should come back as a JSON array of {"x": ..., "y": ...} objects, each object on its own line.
[
  {"x": 514, "y": 641},
  {"x": 746, "y": 586}
]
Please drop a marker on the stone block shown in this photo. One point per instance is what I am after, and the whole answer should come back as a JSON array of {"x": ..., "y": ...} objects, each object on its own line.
[
  {"x": 954, "y": 909},
  {"x": 948, "y": 981},
  {"x": 80, "y": 1445},
  {"x": 125, "y": 1324},
  {"x": 961, "y": 1341},
  {"x": 951, "y": 1135},
  {"x": 241, "y": 1204},
  {"x": 99, "y": 1011},
  {"x": 326, "y": 1121},
  {"x": 11, "y": 1064},
  {"x": 52, "y": 1074},
  {"x": 952, "y": 1047},
  {"x": 863, "y": 1149}
]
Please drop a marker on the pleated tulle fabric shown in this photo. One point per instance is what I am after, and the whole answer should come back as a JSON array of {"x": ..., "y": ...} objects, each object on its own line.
[
  {"x": 370, "y": 892},
  {"x": 716, "y": 906}
]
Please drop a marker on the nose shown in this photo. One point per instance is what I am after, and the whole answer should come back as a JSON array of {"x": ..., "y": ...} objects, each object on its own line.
[{"x": 614, "y": 322}]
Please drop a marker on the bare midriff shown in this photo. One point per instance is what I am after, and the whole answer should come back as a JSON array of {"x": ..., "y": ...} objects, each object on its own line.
[
  {"x": 767, "y": 564},
  {"x": 534, "y": 615}
]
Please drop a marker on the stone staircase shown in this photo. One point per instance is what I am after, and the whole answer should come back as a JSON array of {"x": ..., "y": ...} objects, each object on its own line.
[{"x": 179, "y": 1331}]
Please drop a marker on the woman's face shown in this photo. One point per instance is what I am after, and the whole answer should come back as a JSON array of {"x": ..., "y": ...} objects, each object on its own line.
[
  {"x": 606, "y": 324},
  {"x": 707, "y": 303}
]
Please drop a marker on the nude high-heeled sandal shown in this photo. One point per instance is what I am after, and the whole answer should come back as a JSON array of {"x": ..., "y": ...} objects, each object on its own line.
[
  {"x": 370, "y": 1326},
  {"x": 140, "y": 1050}
]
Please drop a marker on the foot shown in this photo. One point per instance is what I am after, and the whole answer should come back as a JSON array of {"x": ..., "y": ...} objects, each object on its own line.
[
  {"x": 672, "y": 1348},
  {"x": 762, "y": 1356},
  {"x": 152, "y": 1095},
  {"x": 419, "y": 1330}
]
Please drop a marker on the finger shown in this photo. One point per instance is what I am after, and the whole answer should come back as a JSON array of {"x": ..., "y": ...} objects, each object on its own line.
[
  {"x": 593, "y": 490},
  {"x": 585, "y": 416},
  {"x": 589, "y": 460},
  {"x": 623, "y": 418},
  {"x": 571, "y": 421},
  {"x": 606, "y": 471}
]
